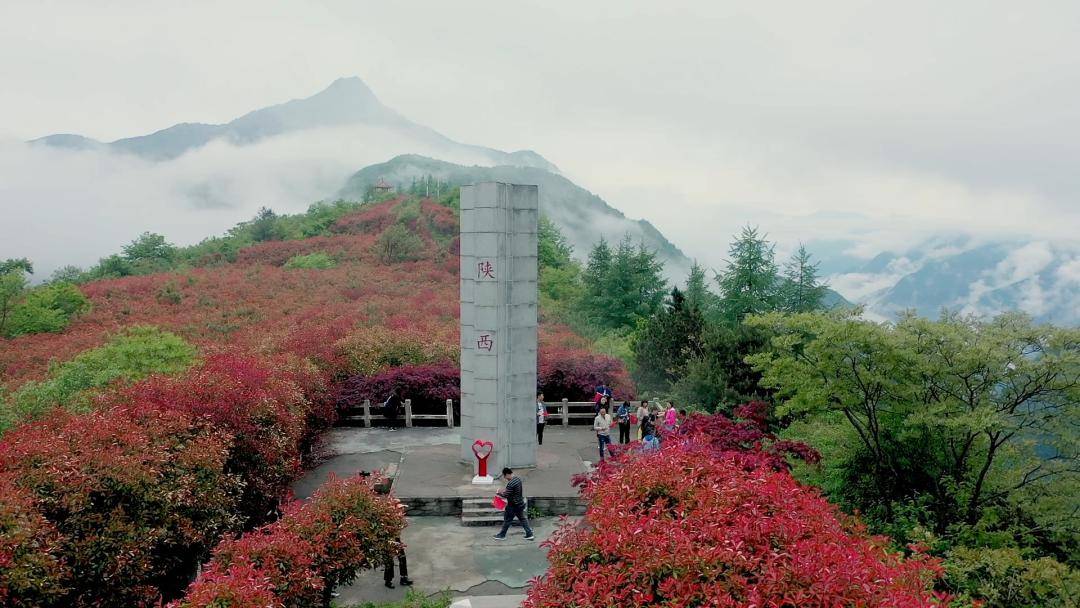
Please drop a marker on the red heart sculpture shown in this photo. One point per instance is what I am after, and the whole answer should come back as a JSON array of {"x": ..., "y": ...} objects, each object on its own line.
[{"x": 478, "y": 447}]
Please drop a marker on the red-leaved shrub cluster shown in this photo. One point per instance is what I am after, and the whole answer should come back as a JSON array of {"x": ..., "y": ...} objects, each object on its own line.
[
  {"x": 428, "y": 385},
  {"x": 705, "y": 521},
  {"x": 296, "y": 561},
  {"x": 131, "y": 497}
]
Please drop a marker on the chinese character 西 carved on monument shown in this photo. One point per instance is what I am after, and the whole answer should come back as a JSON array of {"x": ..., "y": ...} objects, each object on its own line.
[{"x": 484, "y": 342}]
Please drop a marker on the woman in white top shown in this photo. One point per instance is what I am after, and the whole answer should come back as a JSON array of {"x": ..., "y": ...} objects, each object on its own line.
[
  {"x": 541, "y": 418},
  {"x": 642, "y": 414},
  {"x": 602, "y": 425}
]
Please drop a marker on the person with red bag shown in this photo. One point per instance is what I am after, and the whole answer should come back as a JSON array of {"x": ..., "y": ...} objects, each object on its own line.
[
  {"x": 514, "y": 495},
  {"x": 642, "y": 414}
]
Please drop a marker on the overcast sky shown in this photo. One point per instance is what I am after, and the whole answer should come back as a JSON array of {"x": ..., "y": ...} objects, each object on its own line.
[{"x": 815, "y": 120}]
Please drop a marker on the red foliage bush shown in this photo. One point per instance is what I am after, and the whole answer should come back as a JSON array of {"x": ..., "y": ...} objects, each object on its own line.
[
  {"x": 261, "y": 406},
  {"x": 688, "y": 526},
  {"x": 574, "y": 375},
  {"x": 32, "y": 573},
  {"x": 428, "y": 385},
  {"x": 137, "y": 497},
  {"x": 745, "y": 438},
  {"x": 296, "y": 561}
]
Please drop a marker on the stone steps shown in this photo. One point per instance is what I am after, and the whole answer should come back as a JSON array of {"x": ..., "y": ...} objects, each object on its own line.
[{"x": 479, "y": 512}]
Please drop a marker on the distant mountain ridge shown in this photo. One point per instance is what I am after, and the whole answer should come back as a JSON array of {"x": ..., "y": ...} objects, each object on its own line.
[
  {"x": 961, "y": 274},
  {"x": 347, "y": 101},
  {"x": 583, "y": 217}
]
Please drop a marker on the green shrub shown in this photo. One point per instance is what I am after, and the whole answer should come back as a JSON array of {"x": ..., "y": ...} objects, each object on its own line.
[
  {"x": 1003, "y": 578},
  {"x": 48, "y": 308},
  {"x": 136, "y": 353},
  {"x": 317, "y": 261},
  {"x": 398, "y": 244}
]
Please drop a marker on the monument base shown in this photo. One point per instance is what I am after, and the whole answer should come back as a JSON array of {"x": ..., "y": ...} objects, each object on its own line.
[{"x": 485, "y": 480}]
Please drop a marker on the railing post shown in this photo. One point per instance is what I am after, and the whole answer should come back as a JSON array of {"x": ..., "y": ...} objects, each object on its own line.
[
  {"x": 565, "y": 408},
  {"x": 367, "y": 413},
  {"x": 408, "y": 413},
  {"x": 450, "y": 413}
]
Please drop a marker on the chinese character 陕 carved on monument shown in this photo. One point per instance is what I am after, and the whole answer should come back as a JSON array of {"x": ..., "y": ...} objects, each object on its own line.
[
  {"x": 485, "y": 270},
  {"x": 484, "y": 342}
]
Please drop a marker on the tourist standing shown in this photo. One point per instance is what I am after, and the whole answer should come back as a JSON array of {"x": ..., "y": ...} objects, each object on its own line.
[
  {"x": 671, "y": 418},
  {"x": 602, "y": 426},
  {"x": 403, "y": 565},
  {"x": 642, "y": 414},
  {"x": 514, "y": 493},
  {"x": 391, "y": 408},
  {"x": 623, "y": 416},
  {"x": 541, "y": 418}
]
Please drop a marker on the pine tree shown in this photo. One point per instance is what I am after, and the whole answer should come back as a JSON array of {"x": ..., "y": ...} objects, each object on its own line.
[
  {"x": 597, "y": 269},
  {"x": 802, "y": 291},
  {"x": 665, "y": 343},
  {"x": 622, "y": 285},
  {"x": 697, "y": 292},
  {"x": 749, "y": 285}
]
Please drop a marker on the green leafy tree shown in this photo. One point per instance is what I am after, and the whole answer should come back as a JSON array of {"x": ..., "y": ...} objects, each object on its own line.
[
  {"x": 112, "y": 267},
  {"x": 264, "y": 226},
  {"x": 749, "y": 285},
  {"x": 666, "y": 342},
  {"x": 16, "y": 264},
  {"x": 719, "y": 378},
  {"x": 12, "y": 285},
  {"x": 802, "y": 291},
  {"x": 959, "y": 423},
  {"x": 149, "y": 249},
  {"x": 553, "y": 250},
  {"x": 560, "y": 286},
  {"x": 68, "y": 274}
]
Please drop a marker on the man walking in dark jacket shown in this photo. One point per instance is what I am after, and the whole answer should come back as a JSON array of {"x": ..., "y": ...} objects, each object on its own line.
[{"x": 514, "y": 494}]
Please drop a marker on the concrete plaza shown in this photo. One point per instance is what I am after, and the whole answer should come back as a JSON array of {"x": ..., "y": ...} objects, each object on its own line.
[{"x": 444, "y": 555}]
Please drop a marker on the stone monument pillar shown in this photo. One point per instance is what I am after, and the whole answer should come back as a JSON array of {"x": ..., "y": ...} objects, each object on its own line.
[{"x": 499, "y": 272}]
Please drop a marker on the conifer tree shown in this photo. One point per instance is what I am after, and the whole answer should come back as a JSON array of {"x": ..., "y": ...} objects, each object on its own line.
[
  {"x": 667, "y": 342},
  {"x": 802, "y": 291},
  {"x": 749, "y": 284},
  {"x": 697, "y": 292}
]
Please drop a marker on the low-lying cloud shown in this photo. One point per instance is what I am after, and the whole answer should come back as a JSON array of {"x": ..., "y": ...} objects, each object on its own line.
[{"x": 73, "y": 207}]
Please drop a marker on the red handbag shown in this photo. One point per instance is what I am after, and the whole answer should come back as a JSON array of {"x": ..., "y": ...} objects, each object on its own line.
[
  {"x": 498, "y": 502},
  {"x": 633, "y": 418}
]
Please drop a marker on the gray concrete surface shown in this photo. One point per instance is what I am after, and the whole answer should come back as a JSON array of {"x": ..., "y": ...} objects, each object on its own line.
[
  {"x": 446, "y": 556},
  {"x": 499, "y": 278},
  {"x": 443, "y": 554}
]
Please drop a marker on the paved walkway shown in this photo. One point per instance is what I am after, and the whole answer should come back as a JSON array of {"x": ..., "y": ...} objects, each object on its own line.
[
  {"x": 443, "y": 554},
  {"x": 465, "y": 561}
]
